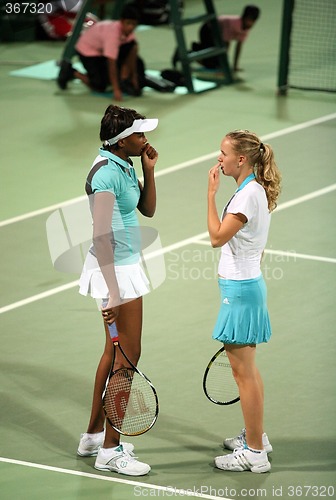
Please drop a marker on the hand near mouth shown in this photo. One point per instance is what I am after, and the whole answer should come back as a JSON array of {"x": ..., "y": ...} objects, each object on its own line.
[{"x": 149, "y": 157}]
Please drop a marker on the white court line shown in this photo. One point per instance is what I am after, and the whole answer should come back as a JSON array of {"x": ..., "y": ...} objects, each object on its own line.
[
  {"x": 176, "y": 246},
  {"x": 175, "y": 168},
  {"x": 293, "y": 255},
  {"x": 306, "y": 197},
  {"x": 171, "y": 491},
  {"x": 39, "y": 296}
]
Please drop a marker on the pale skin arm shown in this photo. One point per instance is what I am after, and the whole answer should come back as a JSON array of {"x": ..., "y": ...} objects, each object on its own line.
[
  {"x": 147, "y": 201},
  {"x": 102, "y": 219},
  {"x": 220, "y": 232}
]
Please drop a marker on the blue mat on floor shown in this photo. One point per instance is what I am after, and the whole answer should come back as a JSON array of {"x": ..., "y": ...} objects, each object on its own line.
[
  {"x": 43, "y": 71},
  {"x": 49, "y": 71}
]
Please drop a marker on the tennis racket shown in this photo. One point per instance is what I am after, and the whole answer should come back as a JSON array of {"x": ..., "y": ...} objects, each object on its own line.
[
  {"x": 218, "y": 383},
  {"x": 130, "y": 401}
]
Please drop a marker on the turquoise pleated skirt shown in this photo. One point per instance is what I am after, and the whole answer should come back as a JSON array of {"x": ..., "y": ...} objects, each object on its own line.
[{"x": 243, "y": 316}]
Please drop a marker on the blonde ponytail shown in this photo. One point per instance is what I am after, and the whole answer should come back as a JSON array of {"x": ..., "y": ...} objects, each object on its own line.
[{"x": 268, "y": 175}]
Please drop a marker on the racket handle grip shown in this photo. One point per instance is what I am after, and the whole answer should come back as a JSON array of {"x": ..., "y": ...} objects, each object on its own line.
[{"x": 113, "y": 331}]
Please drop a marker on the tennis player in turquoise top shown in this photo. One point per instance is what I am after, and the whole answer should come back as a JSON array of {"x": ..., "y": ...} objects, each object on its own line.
[
  {"x": 117, "y": 176},
  {"x": 112, "y": 270},
  {"x": 243, "y": 320}
]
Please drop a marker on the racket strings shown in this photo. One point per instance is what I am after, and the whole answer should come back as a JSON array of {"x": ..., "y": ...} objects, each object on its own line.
[
  {"x": 219, "y": 384},
  {"x": 130, "y": 402}
]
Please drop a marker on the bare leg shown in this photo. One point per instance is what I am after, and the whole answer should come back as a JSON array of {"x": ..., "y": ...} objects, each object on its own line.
[
  {"x": 81, "y": 76},
  {"x": 97, "y": 418},
  {"x": 247, "y": 376}
]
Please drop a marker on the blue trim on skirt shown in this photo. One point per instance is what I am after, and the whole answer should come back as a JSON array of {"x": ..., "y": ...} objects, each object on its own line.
[{"x": 243, "y": 316}]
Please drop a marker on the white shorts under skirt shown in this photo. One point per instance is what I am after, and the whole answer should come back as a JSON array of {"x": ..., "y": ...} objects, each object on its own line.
[{"x": 132, "y": 280}]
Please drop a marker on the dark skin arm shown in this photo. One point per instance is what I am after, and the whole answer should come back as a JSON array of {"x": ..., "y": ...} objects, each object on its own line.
[
  {"x": 237, "y": 56},
  {"x": 114, "y": 80},
  {"x": 102, "y": 218}
]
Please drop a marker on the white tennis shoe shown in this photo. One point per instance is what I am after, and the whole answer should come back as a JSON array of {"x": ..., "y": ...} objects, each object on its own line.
[
  {"x": 244, "y": 459},
  {"x": 239, "y": 442},
  {"x": 121, "y": 461},
  {"x": 90, "y": 444}
]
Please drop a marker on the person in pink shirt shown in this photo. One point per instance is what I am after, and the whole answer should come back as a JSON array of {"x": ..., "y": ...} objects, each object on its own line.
[
  {"x": 108, "y": 51},
  {"x": 232, "y": 29}
]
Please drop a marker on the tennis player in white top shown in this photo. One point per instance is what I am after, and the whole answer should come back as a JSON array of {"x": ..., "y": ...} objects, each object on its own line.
[{"x": 243, "y": 320}]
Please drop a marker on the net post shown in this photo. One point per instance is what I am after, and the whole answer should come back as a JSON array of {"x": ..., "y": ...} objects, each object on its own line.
[{"x": 287, "y": 13}]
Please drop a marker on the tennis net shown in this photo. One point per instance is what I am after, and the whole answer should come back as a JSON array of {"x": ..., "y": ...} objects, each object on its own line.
[{"x": 308, "y": 48}]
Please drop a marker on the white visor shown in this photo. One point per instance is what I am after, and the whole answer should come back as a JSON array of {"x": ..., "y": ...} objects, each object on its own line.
[{"x": 138, "y": 126}]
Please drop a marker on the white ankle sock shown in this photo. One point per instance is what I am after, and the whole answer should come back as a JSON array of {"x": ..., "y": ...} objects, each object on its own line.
[{"x": 95, "y": 434}]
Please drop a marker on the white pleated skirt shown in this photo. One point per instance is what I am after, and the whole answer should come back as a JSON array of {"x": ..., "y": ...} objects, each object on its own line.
[{"x": 131, "y": 278}]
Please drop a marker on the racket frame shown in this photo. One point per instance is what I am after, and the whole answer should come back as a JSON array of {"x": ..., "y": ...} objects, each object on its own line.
[{"x": 222, "y": 403}]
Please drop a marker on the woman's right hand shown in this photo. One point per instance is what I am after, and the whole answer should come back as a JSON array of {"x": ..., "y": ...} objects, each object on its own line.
[
  {"x": 110, "y": 313},
  {"x": 213, "y": 180}
]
